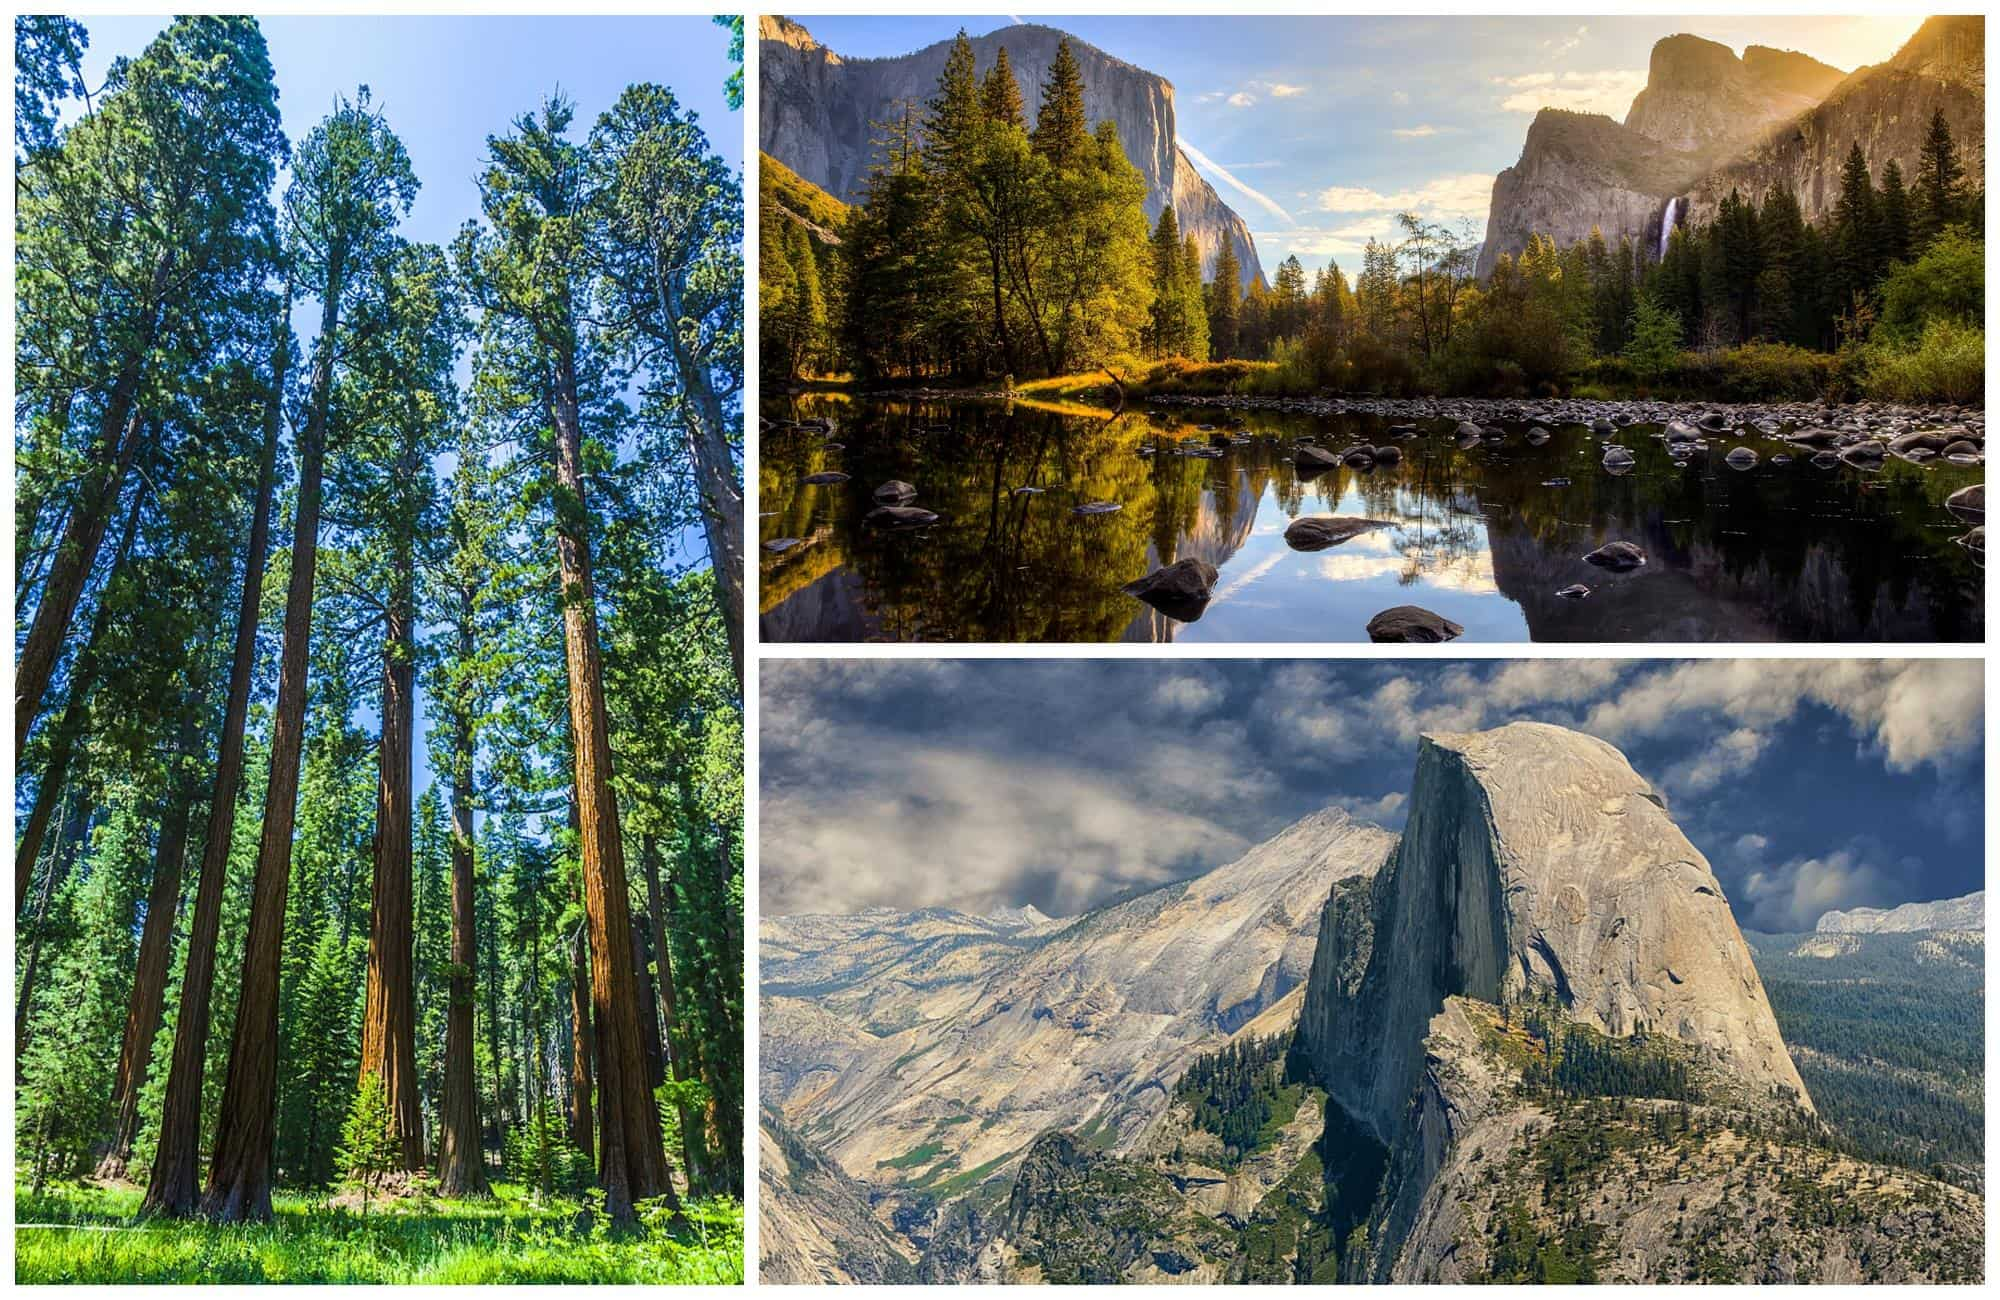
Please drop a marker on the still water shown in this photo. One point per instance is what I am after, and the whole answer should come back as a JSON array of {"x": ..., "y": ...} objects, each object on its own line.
[{"x": 1484, "y": 535}]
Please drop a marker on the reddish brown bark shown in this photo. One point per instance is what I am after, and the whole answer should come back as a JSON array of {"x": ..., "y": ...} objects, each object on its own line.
[
  {"x": 149, "y": 979},
  {"x": 170, "y": 1190},
  {"x": 75, "y": 716},
  {"x": 632, "y": 1165},
  {"x": 239, "y": 1178},
  {"x": 582, "y": 1047},
  {"x": 83, "y": 532},
  {"x": 389, "y": 1013},
  {"x": 461, "y": 1165}
]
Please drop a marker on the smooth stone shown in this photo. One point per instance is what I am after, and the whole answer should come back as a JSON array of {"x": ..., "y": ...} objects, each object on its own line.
[
  {"x": 1308, "y": 459},
  {"x": 1318, "y": 532},
  {"x": 825, "y": 477},
  {"x": 1575, "y": 591},
  {"x": 1617, "y": 557},
  {"x": 1412, "y": 624},
  {"x": 1097, "y": 508},
  {"x": 1619, "y": 457},
  {"x": 1180, "y": 590},
  {"x": 1389, "y": 455},
  {"x": 779, "y": 545},
  {"x": 895, "y": 493},
  {"x": 1740, "y": 458},
  {"x": 1968, "y": 502},
  {"x": 1537, "y": 436}
]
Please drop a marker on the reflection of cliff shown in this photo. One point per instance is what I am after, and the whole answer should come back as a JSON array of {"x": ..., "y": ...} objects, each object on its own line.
[{"x": 1220, "y": 524}]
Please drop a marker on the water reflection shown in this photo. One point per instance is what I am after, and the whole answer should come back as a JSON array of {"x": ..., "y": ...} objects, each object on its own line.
[{"x": 1484, "y": 535}]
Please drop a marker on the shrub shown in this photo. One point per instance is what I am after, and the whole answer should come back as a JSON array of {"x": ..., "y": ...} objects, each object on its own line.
[
  {"x": 1946, "y": 282},
  {"x": 1948, "y": 364}
]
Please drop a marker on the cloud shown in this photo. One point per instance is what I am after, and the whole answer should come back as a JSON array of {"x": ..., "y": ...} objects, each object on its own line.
[
  {"x": 1242, "y": 99},
  {"x": 1917, "y": 711},
  {"x": 1416, "y": 132},
  {"x": 1459, "y": 194},
  {"x": 1215, "y": 169},
  {"x": 1790, "y": 898},
  {"x": 1557, "y": 46},
  {"x": 1186, "y": 694},
  {"x": 1399, "y": 97},
  {"x": 1730, "y": 755},
  {"x": 1609, "y": 92},
  {"x": 1281, "y": 90},
  {"x": 1382, "y": 811}
]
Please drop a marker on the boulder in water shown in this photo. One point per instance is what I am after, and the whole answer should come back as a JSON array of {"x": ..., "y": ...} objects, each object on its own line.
[
  {"x": 895, "y": 493},
  {"x": 1180, "y": 590},
  {"x": 1413, "y": 625},
  {"x": 1318, "y": 532},
  {"x": 899, "y": 517},
  {"x": 1968, "y": 502},
  {"x": 1619, "y": 557},
  {"x": 1740, "y": 458},
  {"x": 825, "y": 477}
]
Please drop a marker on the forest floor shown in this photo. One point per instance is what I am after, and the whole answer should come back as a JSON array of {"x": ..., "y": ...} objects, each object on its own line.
[{"x": 88, "y": 1234}]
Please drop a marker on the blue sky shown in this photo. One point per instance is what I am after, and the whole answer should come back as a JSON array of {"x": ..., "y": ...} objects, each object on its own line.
[
  {"x": 1809, "y": 785},
  {"x": 1338, "y": 122}
]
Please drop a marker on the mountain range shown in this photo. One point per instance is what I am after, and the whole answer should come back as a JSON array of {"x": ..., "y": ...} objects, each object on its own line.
[
  {"x": 817, "y": 113},
  {"x": 1523, "y": 1040},
  {"x": 1708, "y": 122}
]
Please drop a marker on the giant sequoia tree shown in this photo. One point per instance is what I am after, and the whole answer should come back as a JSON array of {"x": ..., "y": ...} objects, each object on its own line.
[{"x": 226, "y": 814}]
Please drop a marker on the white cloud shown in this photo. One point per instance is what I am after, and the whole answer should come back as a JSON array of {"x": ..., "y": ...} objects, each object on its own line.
[
  {"x": 1415, "y": 132},
  {"x": 1399, "y": 97},
  {"x": 1791, "y": 897},
  {"x": 1916, "y": 711},
  {"x": 1221, "y": 173},
  {"x": 1373, "y": 810},
  {"x": 1462, "y": 194},
  {"x": 1557, "y": 46},
  {"x": 1609, "y": 92},
  {"x": 1729, "y": 755},
  {"x": 1187, "y": 694},
  {"x": 1242, "y": 99},
  {"x": 1281, "y": 90}
]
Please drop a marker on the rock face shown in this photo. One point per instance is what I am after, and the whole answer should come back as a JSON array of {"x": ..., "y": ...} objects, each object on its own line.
[
  {"x": 1966, "y": 913},
  {"x": 816, "y": 111},
  {"x": 983, "y": 1043},
  {"x": 816, "y": 1225},
  {"x": 1708, "y": 122},
  {"x": 1699, "y": 96},
  {"x": 1536, "y": 864}
]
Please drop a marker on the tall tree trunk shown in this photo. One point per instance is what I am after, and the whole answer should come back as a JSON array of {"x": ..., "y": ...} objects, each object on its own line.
[
  {"x": 502, "y": 1112},
  {"x": 83, "y": 533},
  {"x": 239, "y": 1179},
  {"x": 75, "y": 716},
  {"x": 461, "y": 1165},
  {"x": 149, "y": 978},
  {"x": 705, "y": 432},
  {"x": 389, "y": 1014},
  {"x": 631, "y": 1163},
  {"x": 171, "y": 1187},
  {"x": 693, "y": 1141},
  {"x": 582, "y": 1046},
  {"x": 649, "y": 1013},
  {"x": 64, "y": 858}
]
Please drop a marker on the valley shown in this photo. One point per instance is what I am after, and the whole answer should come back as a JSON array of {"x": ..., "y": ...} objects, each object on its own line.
[
  {"x": 1524, "y": 1040},
  {"x": 1006, "y": 316}
]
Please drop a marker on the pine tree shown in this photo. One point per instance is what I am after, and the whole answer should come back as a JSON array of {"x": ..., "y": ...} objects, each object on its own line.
[
  {"x": 369, "y": 1144},
  {"x": 1940, "y": 182},
  {"x": 1893, "y": 209},
  {"x": 1194, "y": 306},
  {"x": 1062, "y": 132},
  {"x": 1001, "y": 94},
  {"x": 1225, "y": 300}
]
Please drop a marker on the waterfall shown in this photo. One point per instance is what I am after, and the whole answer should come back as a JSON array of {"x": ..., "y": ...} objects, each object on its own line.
[{"x": 1667, "y": 224}]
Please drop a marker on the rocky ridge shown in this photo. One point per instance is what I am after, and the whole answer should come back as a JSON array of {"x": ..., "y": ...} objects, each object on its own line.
[{"x": 1964, "y": 913}]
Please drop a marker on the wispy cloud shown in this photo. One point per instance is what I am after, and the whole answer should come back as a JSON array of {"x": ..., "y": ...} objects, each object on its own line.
[
  {"x": 1242, "y": 99},
  {"x": 1557, "y": 46},
  {"x": 1221, "y": 173},
  {"x": 1281, "y": 90},
  {"x": 1462, "y": 194},
  {"x": 1425, "y": 131},
  {"x": 1608, "y": 92}
]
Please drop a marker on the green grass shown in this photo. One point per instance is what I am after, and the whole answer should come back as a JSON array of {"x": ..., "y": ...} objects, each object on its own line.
[
  {"x": 923, "y": 1155},
  {"x": 88, "y": 1234}
]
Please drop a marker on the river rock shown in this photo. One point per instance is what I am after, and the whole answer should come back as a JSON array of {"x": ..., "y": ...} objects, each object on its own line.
[
  {"x": 1309, "y": 459},
  {"x": 1537, "y": 436},
  {"x": 1180, "y": 590},
  {"x": 1390, "y": 455},
  {"x": 1866, "y": 452},
  {"x": 1741, "y": 458},
  {"x": 1968, "y": 502},
  {"x": 1318, "y": 532},
  {"x": 825, "y": 477},
  {"x": 1412, "y": 624},
  {"x": 1089, "y": 508},
  {"x": 895, "y": 493},
  {"x": 1575, "y": 591},
  {"x": 1617, "y": 458},
  {"x": 1619, "y": 557}
]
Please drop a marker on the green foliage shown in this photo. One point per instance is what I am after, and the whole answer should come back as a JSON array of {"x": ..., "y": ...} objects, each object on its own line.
[
  {"x": 510, "y": 1239},
  {"x": 1654, "y": 342},
  {"x": 1947, "y": 364},
  {"x": 1240, "y": 1094},
  {"x": 542, "y": 1158},
  {"x": 369, "y": 1148},
  {"x": 1947, "y": 282}
]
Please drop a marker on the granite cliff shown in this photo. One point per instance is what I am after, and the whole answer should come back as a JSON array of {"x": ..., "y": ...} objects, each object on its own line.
[{"x": 816, "y": 111}]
